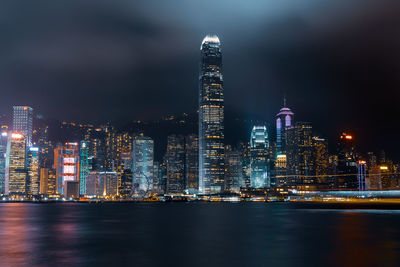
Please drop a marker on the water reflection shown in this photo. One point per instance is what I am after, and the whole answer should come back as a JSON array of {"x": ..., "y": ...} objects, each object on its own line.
[{"x": 195, "y": 234}]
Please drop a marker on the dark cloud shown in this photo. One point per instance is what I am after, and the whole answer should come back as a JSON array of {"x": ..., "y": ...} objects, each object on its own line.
[{"x": 337, "y": 61}]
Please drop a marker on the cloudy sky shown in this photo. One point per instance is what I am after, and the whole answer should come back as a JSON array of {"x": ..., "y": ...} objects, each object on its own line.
[{"x": 338, "y": 61}]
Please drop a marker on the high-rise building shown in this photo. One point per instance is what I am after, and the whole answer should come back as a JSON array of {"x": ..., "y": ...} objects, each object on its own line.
[
  {"x": 304, "y": 159},
  {"x": 234, "y": 170},
  {"x": 32, "y": 163},
  {"x": 192, "y": 163},
  {"x": 211, "y": 117},
  {"x": 284, "y": 121},
  {"x": 142, "y": 164},
  {"x": 125, "y": 188},
  {"x": 22, "y": 122},
  {"x": 3, "y": 154},
  {"x": 66, "y": 164},
  {"x": 84, "y": 167},
  {"x": 321, "y": 158},
  {"x": 347, "y": 163},
  {"x": 45, "y": 148},
  {"x": 362, "y": 174},
  {"x": 175, "y": 164},
  {"x": 259, "y": 161},
  {"x": 15, "y": 176}
]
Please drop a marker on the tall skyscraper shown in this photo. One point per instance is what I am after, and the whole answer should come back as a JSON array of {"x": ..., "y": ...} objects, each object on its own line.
[
  {"x": 3, "y": 154},
  {"x": 211, "y": 117},
  {"x": 32, "y": 164},
  {"x": 83, "y": 167},
  {"x": 15, "y": 181},
  {"x": 142, "y": 164},
  {"x": 259, "y": 159},
  {"x": 284, "y": 121},
  {"x": 66, "y": 164},
  {"x": 175, "y": 164},
  {"x": 22, "y": 122}
]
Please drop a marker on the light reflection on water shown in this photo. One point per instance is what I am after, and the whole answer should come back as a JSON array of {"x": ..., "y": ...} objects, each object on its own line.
[{"x": 195, "y": 234}]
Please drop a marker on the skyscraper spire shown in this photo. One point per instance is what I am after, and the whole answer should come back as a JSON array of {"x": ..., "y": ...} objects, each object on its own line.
[{"x": 284, "y": 100}]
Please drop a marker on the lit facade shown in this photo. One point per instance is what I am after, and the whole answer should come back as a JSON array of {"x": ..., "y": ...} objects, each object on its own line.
[
  {"x": 347, "y": 163},
  {"x": 22, "y": 122},
  {"x": 175, "y": 158},
  {"x": 259, "y": 162},
  {"x": 32, "y": 163},
  {"x": 15, "y": 176},
  {"x": 234, "y": 171},
  {"x": 211, "y": 117},
  {"x": 84, "y": 167},
  {"x": 284, "y": 121},
  {"x": 66, "y": 164},
  {"x": 192, "y": 163},
  {"x": 3, "y": 154},
  {"x": 142, "y": 164}
]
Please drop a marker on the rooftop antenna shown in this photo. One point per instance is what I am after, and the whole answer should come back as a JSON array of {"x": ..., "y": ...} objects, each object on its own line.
[{"x": 284, "y": 100}]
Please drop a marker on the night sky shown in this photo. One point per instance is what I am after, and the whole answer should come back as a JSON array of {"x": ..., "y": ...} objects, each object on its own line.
[{"x": 337, "y": 61}]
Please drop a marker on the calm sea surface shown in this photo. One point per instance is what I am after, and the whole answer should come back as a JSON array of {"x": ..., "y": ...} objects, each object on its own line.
[{"x": 195, "y": 234}]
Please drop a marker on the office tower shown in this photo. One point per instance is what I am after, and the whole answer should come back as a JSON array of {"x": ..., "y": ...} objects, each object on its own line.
[
  {"x": 371, "y": 159},
  {"x": 304, "y": 161},
  {"x": 284, "y": 120},
  {"x": 3, "y": 154},
  {"x": 110, "y": 183},
  {"x": 211, "y": 117},
  {"x": 32, "y": 163},
  {"x": 234, "y": 170},
  {"x": 111, "y": 148},
  {"x": 66, "y": 164},
  {"x": 192, "y": 163},
  {"x": 321, "y": 159},
  {"x": 347, "y": 163},
  {"x": 157, "y": 178},
  {"x": 83, "y": 168},
  {"x": 175, "y": 157},
  {"x": 91, "y": 183},
  {"x": 44, "y": 181},
  {"x": 245, "y": 150},
  {"x": 374, "y": 181},
  {"x": 71, "y": 189},
  {"x": 281, "y": 178},
  {"x": 259, "y": 161},
  {"x": 22, "y": 122},
  {"x": 15, "y": 178},
  {"x": 125, "y": 188},
  {"x": 45, "y": 148},
  {"x": 362, "y": 174},
  {"x": 142, "y": 164}
]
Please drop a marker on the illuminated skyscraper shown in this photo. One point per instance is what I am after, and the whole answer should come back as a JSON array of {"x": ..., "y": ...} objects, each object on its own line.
[
  {"x": 211, "y": 117},
  {"x": 304, "y": 159},
  {"x": 192, "y": 162},
  {"x": 175, "y": 164},
  {"x": 142, "y": 164},
  {"x": 259, "y": 161},
  {"x": 284, "y": 120},
  {"x": 234, "y": 171},
  {"x": 32, "y": 163},
  {"x": 15, "y": 182},
  {"x": 321, "y": 158},
  {"x": 3, "y": 153},
  {"x": 22, "y": 122},
  {"x": 347, "y": 163},
  {"x": 66, "y": 164},
  {"x": 83, "y": 168}
]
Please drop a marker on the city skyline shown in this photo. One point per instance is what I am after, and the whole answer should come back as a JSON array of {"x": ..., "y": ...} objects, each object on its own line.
[{"x": 301, "y": 50}]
